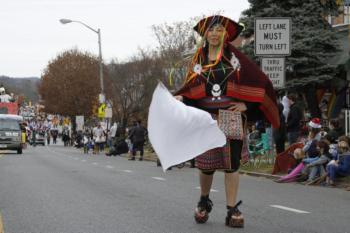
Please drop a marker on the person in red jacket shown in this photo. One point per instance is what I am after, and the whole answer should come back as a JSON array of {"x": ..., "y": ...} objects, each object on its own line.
[{"x": 221, "y": 77}]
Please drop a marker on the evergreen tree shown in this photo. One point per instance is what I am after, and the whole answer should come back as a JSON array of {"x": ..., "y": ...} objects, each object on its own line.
[
  {"x": 313, "y": 42},
  {"x": 313, "y": 39}
]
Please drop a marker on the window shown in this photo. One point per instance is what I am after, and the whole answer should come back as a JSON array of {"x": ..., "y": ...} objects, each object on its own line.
[{"x": 6, "y": 124}]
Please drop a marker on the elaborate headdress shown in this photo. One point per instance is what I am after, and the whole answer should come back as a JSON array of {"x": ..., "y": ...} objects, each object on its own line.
[{"x": 233, "y": 29}]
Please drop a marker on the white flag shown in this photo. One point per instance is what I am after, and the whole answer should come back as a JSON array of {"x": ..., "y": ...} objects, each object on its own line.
[{"x": 179, "y": 133}]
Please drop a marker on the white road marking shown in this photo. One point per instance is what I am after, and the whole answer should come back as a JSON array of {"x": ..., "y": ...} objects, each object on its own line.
[
  {"x": 290, "y": 209},
  {"x": 158, "y": 178},
  {"x": 211, "y": 190},
  {"x": 84, "y": 160},
  {"x": 128, "y": 171},
  {"x": 95, "y": 164},
  {"x": 109, "y": 166}
]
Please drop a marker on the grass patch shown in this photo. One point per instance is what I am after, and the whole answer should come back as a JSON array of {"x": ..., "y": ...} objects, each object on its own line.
[{"x": 261, "y": 168}]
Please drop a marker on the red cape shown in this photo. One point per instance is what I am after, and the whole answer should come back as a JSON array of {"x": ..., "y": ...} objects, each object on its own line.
[{"x": 249, "y": 84}]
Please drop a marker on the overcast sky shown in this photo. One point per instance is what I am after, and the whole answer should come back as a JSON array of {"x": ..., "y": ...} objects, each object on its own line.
[{"x": 31, "y": 34}]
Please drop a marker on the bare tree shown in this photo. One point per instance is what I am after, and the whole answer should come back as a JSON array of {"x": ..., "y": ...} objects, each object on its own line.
[
  {"x": 175, "y": 41},
  {"x": 133, "y": 83}
]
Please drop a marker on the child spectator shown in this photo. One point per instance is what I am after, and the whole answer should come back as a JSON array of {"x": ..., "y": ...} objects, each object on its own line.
[{"x": 339, "y": 167}]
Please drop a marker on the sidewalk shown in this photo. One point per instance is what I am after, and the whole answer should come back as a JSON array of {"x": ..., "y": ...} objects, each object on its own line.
[{"x": 263, "y": 170}]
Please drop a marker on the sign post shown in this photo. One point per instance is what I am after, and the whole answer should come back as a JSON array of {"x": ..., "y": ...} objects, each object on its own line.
[{"x": 272, "y": 40}]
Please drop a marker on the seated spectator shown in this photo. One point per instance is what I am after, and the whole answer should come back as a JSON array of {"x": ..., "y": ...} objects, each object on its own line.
[
  {"x": 314, "y": 136},
  {"x": 315, "y": 167},
  {"x": 119, "y": 147},
  {"x": 339, "y": 167},
  {"x": 254, "y": 134},
  {"x": 285, "y": 161},
  {"x": 309, "y": 150},
  {"x": 334, "y": 131}
]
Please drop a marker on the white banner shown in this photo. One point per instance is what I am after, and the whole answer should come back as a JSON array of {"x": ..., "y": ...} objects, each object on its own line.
[
  {"x": 79, "y": 120},
  {"x": 179, "y": 133}
]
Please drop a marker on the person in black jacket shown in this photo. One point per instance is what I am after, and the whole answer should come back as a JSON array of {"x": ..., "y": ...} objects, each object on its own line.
[
  {"x": 138, "y": 137},
  {"x": 293, "y": 121},
  {"x": 279, "y": 134}
]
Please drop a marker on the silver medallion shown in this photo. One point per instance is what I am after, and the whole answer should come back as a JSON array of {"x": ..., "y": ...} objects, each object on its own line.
[{"x": 216, "y": 90}]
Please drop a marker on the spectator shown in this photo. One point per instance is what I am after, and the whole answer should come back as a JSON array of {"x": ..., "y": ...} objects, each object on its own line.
[
  {"x": 316, "y": 168},
  {"x": 339, "y": 167},
  {"x": 119, "y": 147},
  {"x": 112, "y": 134},
  {"x": 279, "y": 134},
  {"x": 48, "y": 137},
  {"x": 137, "y": 137},
  {"x": 293, "y": 121},
  {"x": 286, "y": 107},
  {"x": 99, "y": 138},
  {"x": 334, "y": 131},
  {"x": 310, "y": 148}
]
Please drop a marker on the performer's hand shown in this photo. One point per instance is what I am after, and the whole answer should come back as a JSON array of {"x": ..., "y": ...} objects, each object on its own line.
[
  {"x": 179, "y": 98},
  {"x": 238, "y": 107}
]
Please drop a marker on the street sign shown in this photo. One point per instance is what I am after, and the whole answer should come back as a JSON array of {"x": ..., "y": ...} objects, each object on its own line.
[
  {"x": 108, "y": 112},
  {"x": 272, "y": 36},
  {"x": 274, "y": 68},
  {"x": 101, "y": 98},
  {"x": 79, "y": 120},
  {"x": 102, "y": 111},
  {"x": 66, "y": 121}
]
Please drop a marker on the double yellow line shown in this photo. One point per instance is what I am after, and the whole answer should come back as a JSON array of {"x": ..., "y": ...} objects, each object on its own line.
[{"x": 1, "y": 225}]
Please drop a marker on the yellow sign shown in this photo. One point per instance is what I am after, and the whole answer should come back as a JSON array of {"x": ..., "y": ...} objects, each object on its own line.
[
  {"x": 102, "y": 111},
  {"x": 66, "y": 121}
]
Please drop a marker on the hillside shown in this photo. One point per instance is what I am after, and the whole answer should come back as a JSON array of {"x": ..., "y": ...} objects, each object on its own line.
[{"x": 22, "y": 86}]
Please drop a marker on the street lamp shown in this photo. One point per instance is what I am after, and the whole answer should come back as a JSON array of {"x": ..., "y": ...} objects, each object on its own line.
[{"x": 98, "y": 31}]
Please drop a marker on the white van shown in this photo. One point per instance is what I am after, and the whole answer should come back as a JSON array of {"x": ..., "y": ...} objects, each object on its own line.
[{"x": 10, "y": 132}]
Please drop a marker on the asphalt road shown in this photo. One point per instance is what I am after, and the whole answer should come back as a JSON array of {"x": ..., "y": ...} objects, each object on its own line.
[{"x": 56, "y": 189}]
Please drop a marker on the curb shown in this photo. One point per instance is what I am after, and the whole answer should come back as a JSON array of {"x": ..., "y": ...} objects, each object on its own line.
[{"x": 258, "y": 174}]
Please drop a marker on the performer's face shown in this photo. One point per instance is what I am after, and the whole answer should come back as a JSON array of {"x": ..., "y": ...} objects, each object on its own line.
[{"x": 215, "y": 35}]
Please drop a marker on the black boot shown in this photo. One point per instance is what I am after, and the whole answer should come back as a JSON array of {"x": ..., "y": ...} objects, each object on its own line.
[
  {"x": 204, "y": 206},
  {"x": 234, "y": 217}
]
